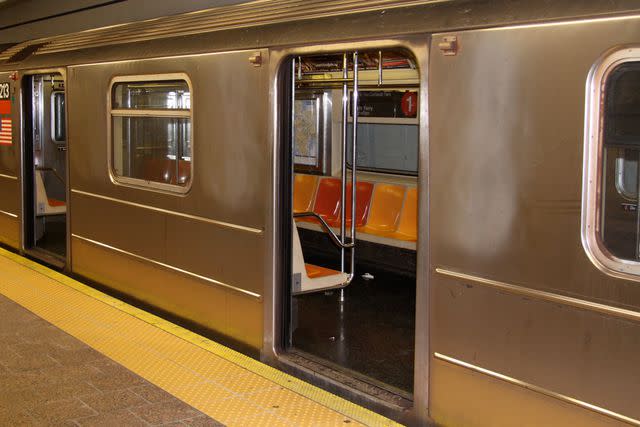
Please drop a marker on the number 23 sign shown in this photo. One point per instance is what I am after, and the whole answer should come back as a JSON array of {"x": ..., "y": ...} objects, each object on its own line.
[{"x": 4, "y": 90}]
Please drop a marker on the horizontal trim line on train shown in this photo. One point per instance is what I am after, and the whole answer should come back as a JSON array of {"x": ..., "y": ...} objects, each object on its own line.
[
  {"x": 166, "y": 211},
  {"x": 9, "y": 214},
  {"x": 546, "y": 296},
  {"x": 15, "y": 178},
  {"x": 538, "y": 389},
  {"x": 245, "y": 15},
  {"x": 168, "y": 266}
]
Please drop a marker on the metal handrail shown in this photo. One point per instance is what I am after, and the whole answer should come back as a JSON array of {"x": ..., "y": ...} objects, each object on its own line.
[
  {"x": 354, "y": 152},
  {"x": 341, "y": 240},
  {"x": 334, "y": 83},
  {"x": 55, "y": 172},
  {"x": 343, "y": 180},
  {"x": 334, "y": 238}
]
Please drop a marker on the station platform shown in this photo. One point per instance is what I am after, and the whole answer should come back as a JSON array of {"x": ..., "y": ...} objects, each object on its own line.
[{"x": 71, "y": 355}]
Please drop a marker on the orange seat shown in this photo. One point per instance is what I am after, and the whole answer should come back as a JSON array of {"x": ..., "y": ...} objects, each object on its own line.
[
  {"x": 364, "y": 191},
  {"x": 304, "y": 188},
  {"x": 184, "y": 172},
  {"x": 55, "y": 203},
  {"x": 385, "y": 209},
  {"x": 408, "y": 224},
  {"x": 312, "y": 278},
  {"x": 44, "y": 204},
  {"x": 157, "y": 170},
  {"x": 164, "y": 170},
  {"x": 327, "y": 203},
  {"x": 314, "y": 271}
]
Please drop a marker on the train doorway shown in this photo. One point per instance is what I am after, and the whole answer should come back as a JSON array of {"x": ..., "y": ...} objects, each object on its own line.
[
  {"x": 353, "y": 136},
  {"x": 45, "y": 167}
]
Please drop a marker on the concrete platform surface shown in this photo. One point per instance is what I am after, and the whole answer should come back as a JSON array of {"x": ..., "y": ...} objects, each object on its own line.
[
  {"x": 48, "y": 377},
  {"x": 73, "y": 356}
]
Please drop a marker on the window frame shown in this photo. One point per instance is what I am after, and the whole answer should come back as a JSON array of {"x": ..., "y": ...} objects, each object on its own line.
[
  {"x": 137, "y": 182},
  {"x": 592, "y": 179}
]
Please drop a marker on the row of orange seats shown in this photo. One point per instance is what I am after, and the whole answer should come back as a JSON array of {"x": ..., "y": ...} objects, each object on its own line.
[
  {"x": 164, "y": 170},
  {"x": 387, "y": 210}
]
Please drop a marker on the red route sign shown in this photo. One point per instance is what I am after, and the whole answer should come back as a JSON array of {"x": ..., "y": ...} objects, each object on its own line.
[
  {"x": 5, "y": 106},
  {"x": 409, "y": 104}
]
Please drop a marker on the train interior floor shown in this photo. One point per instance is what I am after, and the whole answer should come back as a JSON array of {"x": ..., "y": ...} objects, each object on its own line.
[
  {"x": 371, "y": 333},
  {"x": 71, "y": 355},
  {"x": 54, "y": 239}
]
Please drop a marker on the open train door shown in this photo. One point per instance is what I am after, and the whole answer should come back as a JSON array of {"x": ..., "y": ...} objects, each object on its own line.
[
  {"x": 350, "y": 128},
  {"x": 45, "y": 183}
]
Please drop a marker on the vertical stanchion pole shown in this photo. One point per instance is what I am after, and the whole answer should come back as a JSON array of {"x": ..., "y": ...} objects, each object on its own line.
[
  {"x": 638, "y": 215},
  {"x": 345, "y": 118},
  {"x": 292, "y": 130},
  {"x": 293, "y": 309},
  {"x": 379, "y": 68},
  {"x": 354, "y": 151},
  {"x": 354, "y": 160}
]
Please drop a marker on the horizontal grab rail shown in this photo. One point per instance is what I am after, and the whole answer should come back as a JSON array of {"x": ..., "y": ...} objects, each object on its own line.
[
  {"x": 55, "y": 172},
  {"x": 339, "y": 83},
  {"x": 334, "y": 238}
]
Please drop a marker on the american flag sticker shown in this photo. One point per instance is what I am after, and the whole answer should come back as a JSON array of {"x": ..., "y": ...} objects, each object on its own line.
[
  {"x": 5, "y": 111},
  {"x": 5, "y": 131}
]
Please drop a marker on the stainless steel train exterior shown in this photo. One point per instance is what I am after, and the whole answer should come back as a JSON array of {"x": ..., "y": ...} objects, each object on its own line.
[{"x": 515, "y": 325}]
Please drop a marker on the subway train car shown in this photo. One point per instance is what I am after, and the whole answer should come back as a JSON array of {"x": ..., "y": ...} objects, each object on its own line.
[{"x": 427, "y": 207}]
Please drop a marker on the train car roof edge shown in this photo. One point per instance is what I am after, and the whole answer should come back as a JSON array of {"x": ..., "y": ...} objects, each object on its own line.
[{"x": 273, "y": 23}]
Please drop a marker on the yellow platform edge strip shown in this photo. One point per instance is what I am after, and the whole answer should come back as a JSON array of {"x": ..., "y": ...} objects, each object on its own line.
[{"x": 316, "y": 394}]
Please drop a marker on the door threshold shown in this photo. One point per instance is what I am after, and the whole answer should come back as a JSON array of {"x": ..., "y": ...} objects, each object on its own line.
[
  {"x": 360, "y": 389},
  {"x": 50, "y": 259}
]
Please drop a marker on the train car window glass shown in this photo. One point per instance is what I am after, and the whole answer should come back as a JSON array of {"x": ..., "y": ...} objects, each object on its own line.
[
  {"x": 626, "y": 173},
  {"x": 59, "y": 126},
  {"x": 151, "y": 133},
  {"x": 382, "y": 147},
  {"x": 621, "y": 142},
  {"x": 387, "y": 131},
  {"x": 312, "y": 146},
  {"x": 611, "y": 182}
]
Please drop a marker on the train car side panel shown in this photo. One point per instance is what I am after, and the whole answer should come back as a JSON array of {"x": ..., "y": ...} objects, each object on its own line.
[
  {"x": 514, "y": 293},
  {"x": 9, "y": 162},
  {"x": 209, "y": 232},
  {"x": 487, "y": 401}
]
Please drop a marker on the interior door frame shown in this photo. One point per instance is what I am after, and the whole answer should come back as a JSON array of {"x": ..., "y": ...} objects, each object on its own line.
[
  {"x": 275, "y": 292},
  {"x": 26, "y": 182}
]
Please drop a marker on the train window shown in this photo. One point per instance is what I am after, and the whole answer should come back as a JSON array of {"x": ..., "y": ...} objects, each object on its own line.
[
  {"x": 387, "y": 131},
  {"x": 58, "y": 124},
  {"x": 611, "y": 210},
  {"x": 384, "y": 147},
  {"x": 621, "y": 142},
  {"x": 312, "y": 146},
  {"x": 627, "y": 173},
  {"x": 151, "y": 132}
]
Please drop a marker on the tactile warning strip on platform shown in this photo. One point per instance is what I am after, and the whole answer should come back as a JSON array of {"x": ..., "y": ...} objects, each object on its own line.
[{"x": 224, "y": 384}]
